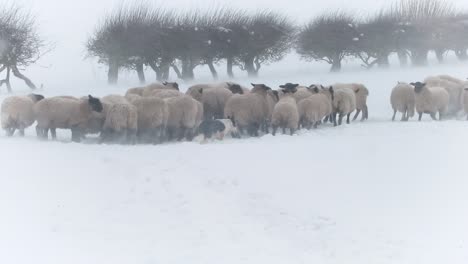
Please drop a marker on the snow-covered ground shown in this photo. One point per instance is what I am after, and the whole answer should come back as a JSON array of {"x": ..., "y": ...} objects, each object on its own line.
[{"x": 373, "y": 192}]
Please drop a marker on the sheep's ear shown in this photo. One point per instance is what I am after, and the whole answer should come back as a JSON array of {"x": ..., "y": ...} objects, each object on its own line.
[
  {"x": 90, "y": 97},
  {"x": 253, "y": 84},
  {"x": 316, "y": 89},
  {"x": 282, "y": 86},
  {"x": 331, "y": 89},
  {"x": 357, "y": 91},
  {"x": 200, "y": 90},
  {"x": 412, "y": 83},
  {"x": 322, "y": 87},
  {"x": 295, "y": 85}
]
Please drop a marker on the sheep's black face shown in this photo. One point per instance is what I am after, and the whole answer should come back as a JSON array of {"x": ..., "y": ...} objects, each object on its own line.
[
  {"x": 290, "y": 86},
  {"x": 38, "y": 97},
  {"x": 172, "y": 85},
  {"x": 260, "y": 87},
  {"x": 314, "y": 88},
  {"x": 236, "y": 89},
  {"x": 95, "y": 104},
  {"x": 418, "y": 86},
  {"x": 276, "y": 94}
]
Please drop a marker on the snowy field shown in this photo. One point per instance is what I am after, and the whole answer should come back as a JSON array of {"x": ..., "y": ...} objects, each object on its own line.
[{"x": 373, "y": 192}]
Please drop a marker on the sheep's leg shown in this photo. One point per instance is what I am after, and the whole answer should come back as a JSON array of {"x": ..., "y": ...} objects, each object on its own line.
[
  {"x": 75, "y": 135},
  {"x": 420, "y": 116},
  {"x": 365, "y": 113},
  {"x": 340, "y": 121},
  {"x": 53, "y": 133},
  {"x": 284, "y": 130},
  {"x": 291, "y": 130},
  {"x": 433, "y": 116},
  {"x": 182, "y": 132},
  {"x": 315, "y": 125},
  {"x": 333, "y": 117},
  {"x": 10, "y": 131},
  {"x": 347, "y": 118},
  {"x": 440, "y": 115},
  {"x": 358, "y": 111},
  {"x": 394, "y": 115},
  {"x": 21, "y": 132},
  {"x": 274, "y": 130},
  {"x": 326, "y": 119}
]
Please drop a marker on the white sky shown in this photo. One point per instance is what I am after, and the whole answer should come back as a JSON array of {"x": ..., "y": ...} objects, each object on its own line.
[{"x": 68, "y": 23}]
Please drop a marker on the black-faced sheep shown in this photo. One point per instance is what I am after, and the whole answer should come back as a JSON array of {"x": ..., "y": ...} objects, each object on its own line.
[
  {"x": 121, "y": 124},
  {"x": 361, "y": 93},
  {"x": 65, "y": 113},
  {"x": 17, "y": 113},
  {"x": 316, "y": 107},
  {"x": 249, "y": 111},
  {"x": 402, "y": 100},
  {"x": 430, "y": 100},
  {"x": 454, "y": 89},
  {"x": 148, "y": 90},
  {"x": 344, "y": 103},
  {"x": 152, "y": 119}
]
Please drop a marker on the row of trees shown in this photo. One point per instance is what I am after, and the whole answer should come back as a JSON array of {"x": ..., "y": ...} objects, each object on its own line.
[
  {"x": 132, "y": 38},
  {"x": 138, "y": 37},
  {"x": 20, "y": 44},
  {"x": 409, "y": 28}
]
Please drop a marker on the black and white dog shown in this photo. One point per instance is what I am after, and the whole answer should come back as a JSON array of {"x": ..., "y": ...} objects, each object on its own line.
[{"x": 217, "y": 128}]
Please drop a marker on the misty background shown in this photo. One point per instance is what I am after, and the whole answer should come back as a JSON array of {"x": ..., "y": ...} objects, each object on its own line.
[{"x": 68, "y": 24}]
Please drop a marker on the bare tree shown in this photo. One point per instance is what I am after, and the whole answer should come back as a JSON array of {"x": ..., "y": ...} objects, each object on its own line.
[
  {"x": 329, "y": 37},
  {"x": 20, "y": 44}
]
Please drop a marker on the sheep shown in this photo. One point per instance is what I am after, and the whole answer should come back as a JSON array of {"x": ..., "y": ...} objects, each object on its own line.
[
  {"x": 402, "y": 100},
  {"x": 152, "y": 119},
  {"x": 451, "y": 79},
  {"x": 431, "y": 100},
  {"x": 133, "y": 97},
  {"x": 454, "y": 89},
  {"x": 135, "y": 91},
  {"x": 121, "y": 124},
  {"x": 285, "y": 114},
  {"x": 66, "y": 113},
  {"x": 249, "y": 111},
  {"x": 362, "y": 93},
  {"x": 184, "y": 112},
  {"x": 214, "y": 97},
  {"x": 219, "y": 127},
  {"x": 96, "y": 121},
  {"x": 344, "y": 103},
  {"x": 147, "y": 91},
  {"x": 163, "y": 94},
  {"x": 465, "y": 102},
  {"x": 315, "y": 108},
  {"x": 17, "y": 113},
  {"x": 272, "y": 98}
]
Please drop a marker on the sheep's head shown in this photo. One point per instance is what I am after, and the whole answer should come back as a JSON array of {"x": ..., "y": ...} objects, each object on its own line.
[
  {"x": 173, "y": 85},
  {"x": 36, "y": 97},
  {"x": 418, "y": 86},
  {"x": 275, "y": 95},
  {"x": 290, "y": 86},
  {"x": 235, "y": 88},
  {"x": 314, "y": 88},
  {"x": 95, "y": 104},
  {"x": 260, "y": 87}
]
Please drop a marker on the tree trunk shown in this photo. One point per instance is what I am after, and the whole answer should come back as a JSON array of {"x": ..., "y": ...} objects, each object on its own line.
[
  {"x": 419, "y": 57},
  {"x": 336, "y": 63},
  {"x": 403, "y": 58},
  {"x": 461, "y": 54},
  {"x": 113, "y": 74},
  {"x": 19, "y": 75},
  {"x": 213, "y": 71},
  {"x": 383, "y": 61},
  {"x": 187, "y": 70},
  {"x": 141, "y": 73},
  {"x": 7, "y": 80},
  {"x": 250, "y": 67},
  {"x": 229, "y": 67},
  {"x": 177, "y": 71},
  {"x": 440, "y": 55}
]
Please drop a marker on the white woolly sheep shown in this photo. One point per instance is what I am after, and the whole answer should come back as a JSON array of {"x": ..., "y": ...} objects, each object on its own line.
[
  {"x": 121, "y": 124},
  {"x": 344, "y": 103},
  {"x": 285, "y": 114},
  {"x": 431, "y": 100},
  {"x": 65, "y": 113},
  {"x": 183, "y": 116},
  {"x": 135, "y": 91},
  {"x": 152, "y": 119},
  {"x": 362, "y": 93},
  {"x": 17, "y": 113},
  {"x": 454, "y": 89},
  {"x": 163, "y": 94},
  {"x": 214, "y": 97},
  {"x": 148, "y": 90},
  {"x": 315, "y": 108},
  {"x": 249, "y": 111},
  {"x": 402, "y": 100}
]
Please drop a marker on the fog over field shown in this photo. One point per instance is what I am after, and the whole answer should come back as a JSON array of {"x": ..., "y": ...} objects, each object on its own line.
[{"x": 367, "y": 192}]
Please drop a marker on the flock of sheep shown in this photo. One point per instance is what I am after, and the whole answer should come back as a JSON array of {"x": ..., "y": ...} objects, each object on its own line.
[{"x": 160, "y": 112}]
